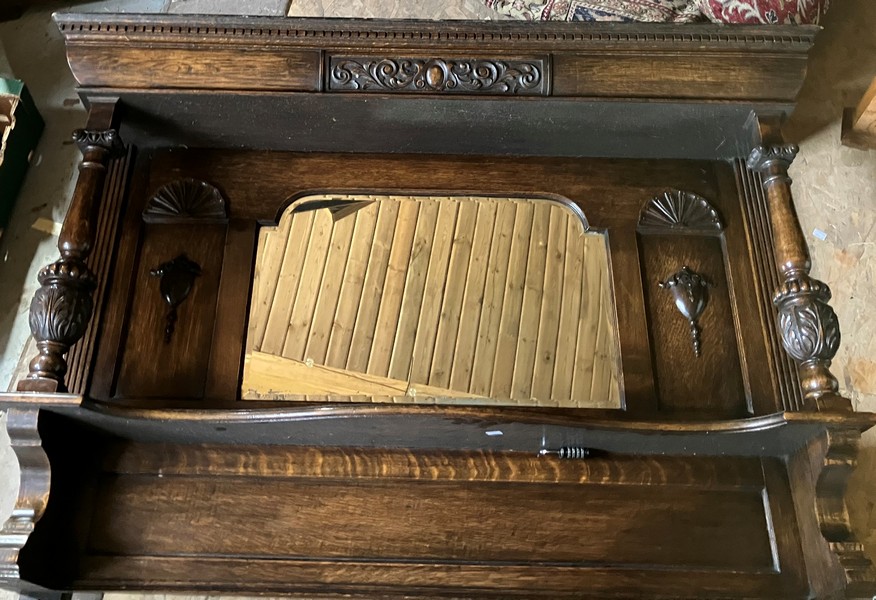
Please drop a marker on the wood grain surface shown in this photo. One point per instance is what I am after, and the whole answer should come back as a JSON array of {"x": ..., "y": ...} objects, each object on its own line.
[{"x": 500, "y": 263}]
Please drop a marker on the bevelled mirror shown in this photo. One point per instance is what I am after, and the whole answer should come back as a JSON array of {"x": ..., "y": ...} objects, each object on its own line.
[{"x": 427, "y": 299}]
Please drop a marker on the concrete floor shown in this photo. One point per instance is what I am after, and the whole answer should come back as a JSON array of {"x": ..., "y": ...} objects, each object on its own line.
[{"x": 835, "y": 186}]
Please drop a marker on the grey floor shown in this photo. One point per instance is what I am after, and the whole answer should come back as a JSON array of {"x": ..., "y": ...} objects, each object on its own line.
[{"x": 835, "y": 186}]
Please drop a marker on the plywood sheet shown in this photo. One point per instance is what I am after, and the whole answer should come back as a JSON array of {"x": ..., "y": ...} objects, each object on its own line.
[{"x": 459, "y": 299}]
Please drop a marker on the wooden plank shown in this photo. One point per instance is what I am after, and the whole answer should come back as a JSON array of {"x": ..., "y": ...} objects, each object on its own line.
[
  {"x": 570, "y": 312},
  {"x": 274, "y": 377},
  {"x": 341, "y": 335},
  {"x": 329, "y": 288},
  {"x": 494, "y": 294},
  {"x": 533, "y": 294},
  {"x": 304, "y": 301},
  {"x": 373, "y": 285},
  {"x": 412, "y": 297},
  {"x": 268, "y": 375},
  {"x": 859, "y": 123},
  {"x": 389, "y": 314},
  {"x": 588, "y": 325},
  {"x": 512, "y": 304},
  {"x": 437, "y": 282},
  {"x": 551, "y": 305},
  {"x": 434, "y": 520},
  {"x": 281, "y": 293},
  {"x": 473, "y": 297},
  {"x": 458, "y": 273}
]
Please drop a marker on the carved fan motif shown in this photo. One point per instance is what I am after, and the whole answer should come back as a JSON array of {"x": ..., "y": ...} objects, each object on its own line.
[
  {"x": 680, "y": 210},
  {"x": 184, "y": 199}
]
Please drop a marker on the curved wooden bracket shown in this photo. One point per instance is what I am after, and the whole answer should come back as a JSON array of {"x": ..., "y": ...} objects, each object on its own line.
[
  {"x": 33, "y": 493},
  {"x": 838, "y": 463}
]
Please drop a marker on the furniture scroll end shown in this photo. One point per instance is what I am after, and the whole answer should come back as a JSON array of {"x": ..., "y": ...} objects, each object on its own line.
[
  {"x": 33, "y": 492},
  {"x": 838, "y": 463}
]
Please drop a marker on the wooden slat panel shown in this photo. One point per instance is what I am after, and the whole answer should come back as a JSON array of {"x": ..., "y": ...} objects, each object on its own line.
[
  {"x": 494, "y": 295},
  {"x": 329, "y": 289},
  {"x": 474, "y": 297},
  {"x": 456, "y": 287},
  {"x": 437, "y": 281},
  {"x": 533, "y": 294},
  {"x": 279, "y": 293},
  {"x": 412, "y": 298},
  {"x": 504, "y": 300},
  {"x": 570, "y": 312},
  {"x": 551, "y": 307},
  {"x": 352, "y": 285},
  {"x": 304, "y": 301},
  {"x": 393, "y": 290},
  {"x": 512, "y": 304}
]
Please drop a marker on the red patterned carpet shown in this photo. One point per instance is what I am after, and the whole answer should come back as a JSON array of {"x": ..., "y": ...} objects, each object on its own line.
[{"x": 665, "y": 11}]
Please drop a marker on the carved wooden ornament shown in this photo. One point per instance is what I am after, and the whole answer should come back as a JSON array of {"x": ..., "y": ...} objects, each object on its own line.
[
  {"x": 438, "y": 75},
  {"x": 183, "y": 200},
  {"x": 691, "y": 293},
  {"x": 677, "y": 210}
]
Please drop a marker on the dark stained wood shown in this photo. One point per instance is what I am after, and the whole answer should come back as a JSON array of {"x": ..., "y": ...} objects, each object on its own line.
[
  {"x": 101, "y": 262},
  {"x": 433, "y": 521},
  {"x": 177, "y": 367},
  {"x": 711, "y": 384},
  {"x": 224, "y": 368},
  {"x": 462, "y": 125},
  {"x": 712, "y": 481},
  {"x": 62, "y": 306}
]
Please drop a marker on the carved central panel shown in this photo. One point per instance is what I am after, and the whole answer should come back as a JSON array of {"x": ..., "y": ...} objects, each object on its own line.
[
  {"x": 439, "y": 75},
  {"x": 449, "y": 300}
]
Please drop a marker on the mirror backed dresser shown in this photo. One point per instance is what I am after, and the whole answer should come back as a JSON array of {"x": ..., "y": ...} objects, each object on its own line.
[{"x": 433, "y": 309}]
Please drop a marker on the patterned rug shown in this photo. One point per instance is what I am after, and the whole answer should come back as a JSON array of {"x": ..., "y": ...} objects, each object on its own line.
[{"x": 772, "y": 12}]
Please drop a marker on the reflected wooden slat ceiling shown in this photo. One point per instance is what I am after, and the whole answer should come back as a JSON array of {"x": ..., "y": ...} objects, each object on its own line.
[{"x": 468, "y": 299}]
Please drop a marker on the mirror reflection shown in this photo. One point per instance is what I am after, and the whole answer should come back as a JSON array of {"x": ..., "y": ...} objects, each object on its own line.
[{"x": 424, "y": 299}]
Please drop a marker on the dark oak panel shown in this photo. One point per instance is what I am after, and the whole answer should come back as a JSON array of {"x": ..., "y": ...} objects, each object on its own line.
[
  {"x": 654, "y": 76},
  {"x": 710, "y": 385},
  {"x": 219, "y": 69},
  {"x": 150, "y": 367}
]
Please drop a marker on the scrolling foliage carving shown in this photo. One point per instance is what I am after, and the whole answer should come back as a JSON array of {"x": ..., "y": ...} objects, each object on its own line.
[{"x": 452, "y": 76}]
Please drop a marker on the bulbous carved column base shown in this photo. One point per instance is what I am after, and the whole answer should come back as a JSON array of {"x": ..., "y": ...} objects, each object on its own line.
[
  {"x": 810, "y": 332},
  {"x": 59, "y": 314}
]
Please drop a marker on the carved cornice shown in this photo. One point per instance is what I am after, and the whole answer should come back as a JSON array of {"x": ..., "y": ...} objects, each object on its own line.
[
  {"x": 185, "y": 200},
  {"x": 486, "y": 76},
  {"x": 327, "y": 32},
  {"x": 680, "y": 211}
]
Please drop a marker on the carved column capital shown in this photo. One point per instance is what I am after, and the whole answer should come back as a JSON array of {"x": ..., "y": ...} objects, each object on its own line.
[
  {"x": 772, "y": 162},
  {"x": 99, "y": 140}
]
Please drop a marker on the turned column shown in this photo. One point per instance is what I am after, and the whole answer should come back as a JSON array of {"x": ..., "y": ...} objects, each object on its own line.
[
  {"x": 807, "y": 324},
  {"x": 62, "y": 306}
]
